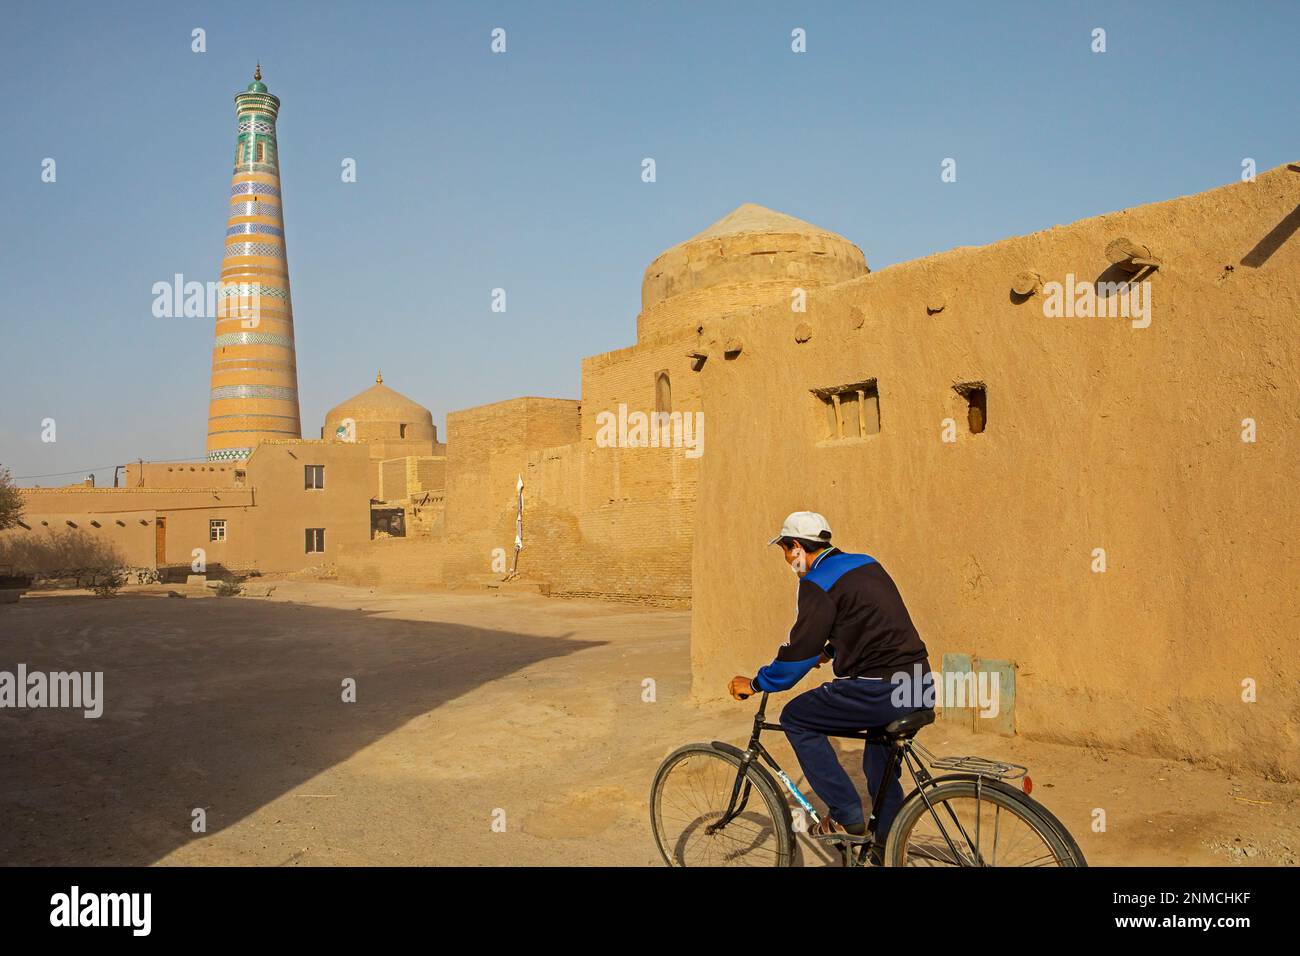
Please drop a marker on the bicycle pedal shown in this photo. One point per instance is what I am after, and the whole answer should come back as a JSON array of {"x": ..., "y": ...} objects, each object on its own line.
[{"x": 849, "y": 838}]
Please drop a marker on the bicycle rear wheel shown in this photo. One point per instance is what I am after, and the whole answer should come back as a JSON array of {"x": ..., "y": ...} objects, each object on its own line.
[
  {"x": 690, "y": 795},
  {"x": 989, "y": 825}
]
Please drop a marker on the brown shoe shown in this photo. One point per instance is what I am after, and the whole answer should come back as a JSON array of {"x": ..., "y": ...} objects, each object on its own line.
[{"x": 828, "y": 829}]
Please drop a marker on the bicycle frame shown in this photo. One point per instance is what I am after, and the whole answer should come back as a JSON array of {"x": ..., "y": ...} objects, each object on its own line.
[{"x": 900, "y": 752}]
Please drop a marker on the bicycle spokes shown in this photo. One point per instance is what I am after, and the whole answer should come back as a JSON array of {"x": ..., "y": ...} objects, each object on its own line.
[
  {"x": 977, "y": 829},
  {"x": 705, "y": 816}
]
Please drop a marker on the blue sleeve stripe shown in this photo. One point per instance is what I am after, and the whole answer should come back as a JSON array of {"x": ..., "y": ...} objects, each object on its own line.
[{"x": 782, "y": 675}]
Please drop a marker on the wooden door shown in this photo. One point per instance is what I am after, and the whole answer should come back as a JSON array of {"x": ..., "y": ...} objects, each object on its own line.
[{"x": 160, "y": 541}]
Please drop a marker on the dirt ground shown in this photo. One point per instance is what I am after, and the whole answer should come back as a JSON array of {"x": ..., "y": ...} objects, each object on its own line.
[{"x": 471, "y": 707}]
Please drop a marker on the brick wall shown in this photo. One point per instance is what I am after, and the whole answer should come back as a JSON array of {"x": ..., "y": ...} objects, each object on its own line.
[
  {"x": 414, "y": 563},
  {"x": 487, "y": 449}
]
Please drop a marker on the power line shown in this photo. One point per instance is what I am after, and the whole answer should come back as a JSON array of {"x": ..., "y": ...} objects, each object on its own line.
[{"x": 83, "y": 471}]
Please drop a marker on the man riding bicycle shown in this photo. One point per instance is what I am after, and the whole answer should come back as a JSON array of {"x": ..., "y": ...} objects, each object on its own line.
[{"x": 851, "y": 614}]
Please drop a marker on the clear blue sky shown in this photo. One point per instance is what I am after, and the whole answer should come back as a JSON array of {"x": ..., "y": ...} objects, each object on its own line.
[{"x": 522, "y": 171}]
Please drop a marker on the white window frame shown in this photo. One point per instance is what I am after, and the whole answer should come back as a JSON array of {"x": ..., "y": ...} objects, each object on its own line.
[{"x": 216, "y": 530}]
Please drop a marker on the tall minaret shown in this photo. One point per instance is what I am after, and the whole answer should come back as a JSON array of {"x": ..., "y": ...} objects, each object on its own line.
[{"x": 254, "y": 373}]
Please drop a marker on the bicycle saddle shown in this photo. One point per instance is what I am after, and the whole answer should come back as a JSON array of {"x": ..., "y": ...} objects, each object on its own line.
[{"x": 906, "y": 726}]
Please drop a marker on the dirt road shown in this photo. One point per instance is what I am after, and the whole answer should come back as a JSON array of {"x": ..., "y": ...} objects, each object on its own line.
[{"x": 471, "y": 708}]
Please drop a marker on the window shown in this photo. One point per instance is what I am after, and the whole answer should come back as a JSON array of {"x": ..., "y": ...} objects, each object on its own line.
[
  {"x": 401, "y": 431},
  {"x": 217, "y": 529},
  {"x": 849, "y": 411},
  {"x": 313, "y": 476},
  {"x": 663, "y": 393},
  {"x": 977, "y": 404},
  {"x": 315, "y": 540},
  {"x": 261, "y": 151}
]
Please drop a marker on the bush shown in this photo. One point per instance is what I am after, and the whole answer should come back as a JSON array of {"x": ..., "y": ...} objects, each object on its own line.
[
  {"x": 108, "y": 583},
  {"x": 67, "y": 553},
  {"x": 11, "y": 502}
]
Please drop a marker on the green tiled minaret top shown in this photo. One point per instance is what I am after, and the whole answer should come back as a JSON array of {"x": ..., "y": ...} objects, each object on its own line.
[
  {"x": 257, "y": 86},
  {"x": 256, "y": 111}
]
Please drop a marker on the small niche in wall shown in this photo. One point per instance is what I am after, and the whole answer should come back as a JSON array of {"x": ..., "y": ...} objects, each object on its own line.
[
  {"x": 663, "y": 392},
  {"x": 976, "y": 395},
  {"x": 849, "y": 411}
]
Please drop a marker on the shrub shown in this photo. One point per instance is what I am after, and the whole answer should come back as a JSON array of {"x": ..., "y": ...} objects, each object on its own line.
[
  {"x": 11, "y": 502},
  {"x": 66, "y": 553},
  {"x": 108, "y": 583}
]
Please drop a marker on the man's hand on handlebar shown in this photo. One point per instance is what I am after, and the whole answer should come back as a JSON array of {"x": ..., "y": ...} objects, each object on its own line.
[{"x": 741, "y": 688}]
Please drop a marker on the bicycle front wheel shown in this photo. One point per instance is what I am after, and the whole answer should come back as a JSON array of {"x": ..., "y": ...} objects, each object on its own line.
[
  {"x": 689, "y": 798},
  {"x": 984, "y": 824}
]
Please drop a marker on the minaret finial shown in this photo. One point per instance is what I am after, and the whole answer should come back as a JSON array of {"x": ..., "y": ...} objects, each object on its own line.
[
  {"x": 379, "y": 379},
  {"x": 257, "y": 74}
]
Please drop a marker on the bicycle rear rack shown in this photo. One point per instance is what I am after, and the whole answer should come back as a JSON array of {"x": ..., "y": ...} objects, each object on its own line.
[{"x": 981, "y": 766}]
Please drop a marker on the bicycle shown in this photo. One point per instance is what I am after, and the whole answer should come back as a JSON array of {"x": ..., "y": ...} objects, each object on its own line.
[{"x": 700, "y": 808}]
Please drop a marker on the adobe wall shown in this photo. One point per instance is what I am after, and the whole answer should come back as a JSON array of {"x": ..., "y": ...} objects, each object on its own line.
[
  {"x": 129, "y": 534},
  {"x": 266, "y": 519},
  {"x": 192, "y": 474},
  {"x": 285, "y": 508},
  {"x": 410, "y": 563},
  {"x": 628, "y": 376},
  {"x": 424, "y": 514},
  {"x": 1099, "y": 435},
  {"x": 611, "y": 522},
  {"x": 487, "y": 449},
  {"x": 127, "y": 517},
  {"x": 188, "y": 529},
  {"x": 631, "y": 509},
  {"x": 399, "y": 478},
  {"x": 635, "y": 548}
]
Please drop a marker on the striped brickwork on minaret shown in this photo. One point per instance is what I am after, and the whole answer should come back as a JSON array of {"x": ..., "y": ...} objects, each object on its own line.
[{"x": 254, "y": 374}]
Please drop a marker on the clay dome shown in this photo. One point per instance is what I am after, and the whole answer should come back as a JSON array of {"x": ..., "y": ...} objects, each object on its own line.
[
  {"x": 380, "y": 412},
  {"x": 748, "y": 258}
]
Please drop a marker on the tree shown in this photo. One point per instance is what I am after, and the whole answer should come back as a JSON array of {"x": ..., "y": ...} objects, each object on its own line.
[{"x": 11, "y": 502}]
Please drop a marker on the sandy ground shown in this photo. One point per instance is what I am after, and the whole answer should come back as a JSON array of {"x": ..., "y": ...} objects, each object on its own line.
[{"x": 471, "y": 707}]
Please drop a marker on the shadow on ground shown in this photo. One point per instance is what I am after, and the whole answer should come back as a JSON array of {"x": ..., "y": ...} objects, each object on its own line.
[{"x": 223, "y": 704}]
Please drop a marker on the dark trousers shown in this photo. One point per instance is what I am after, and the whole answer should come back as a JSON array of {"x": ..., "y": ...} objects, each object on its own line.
[{"x": 838, "y": 706}]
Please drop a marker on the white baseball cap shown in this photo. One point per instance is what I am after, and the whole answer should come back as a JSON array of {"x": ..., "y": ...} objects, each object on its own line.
[{"x": 808, "y": 525}]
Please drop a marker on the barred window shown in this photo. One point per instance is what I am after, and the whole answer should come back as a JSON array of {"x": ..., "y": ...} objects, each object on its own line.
[{"x": 849, "y": 411}]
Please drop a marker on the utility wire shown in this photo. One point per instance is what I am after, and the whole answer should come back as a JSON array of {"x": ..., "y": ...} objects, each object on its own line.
[{"x": 85, "y": 471}]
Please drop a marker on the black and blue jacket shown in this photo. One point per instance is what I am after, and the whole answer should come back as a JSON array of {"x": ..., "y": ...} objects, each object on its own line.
[{"x": 849, "y": 609}]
